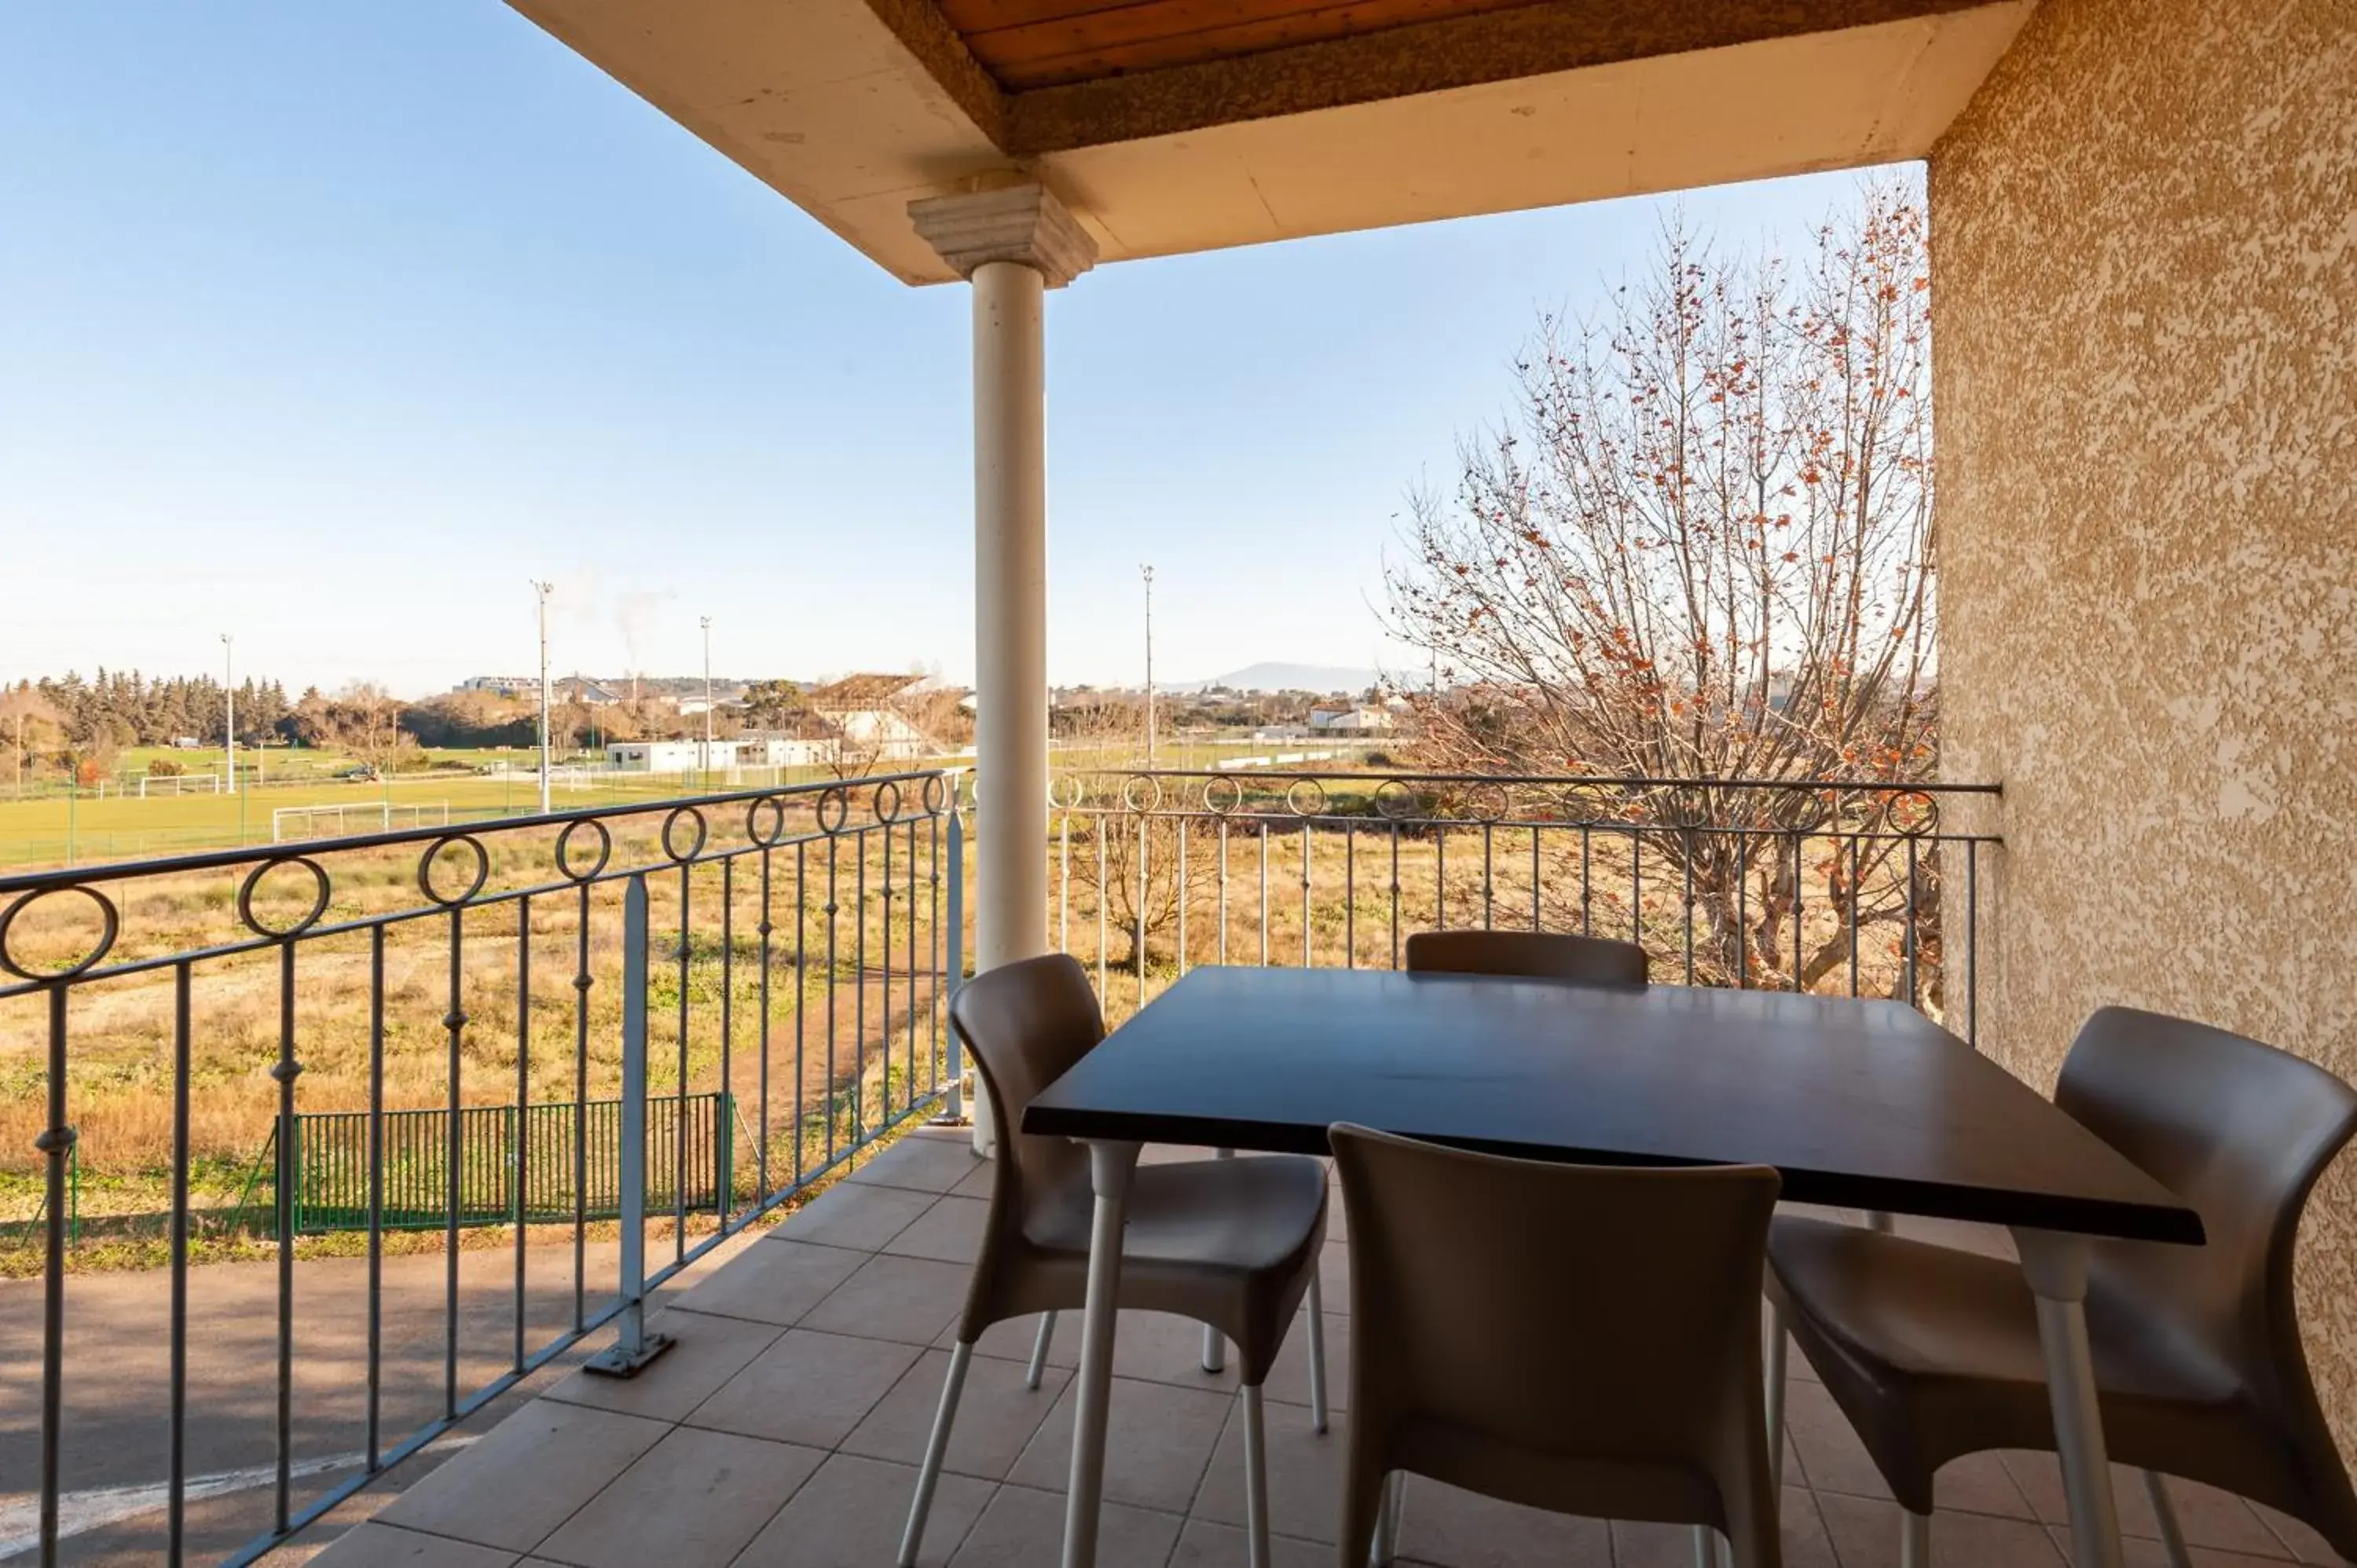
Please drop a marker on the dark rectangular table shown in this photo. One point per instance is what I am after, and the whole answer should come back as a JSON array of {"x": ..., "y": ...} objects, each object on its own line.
[{"x": 1859, "y": 1104}]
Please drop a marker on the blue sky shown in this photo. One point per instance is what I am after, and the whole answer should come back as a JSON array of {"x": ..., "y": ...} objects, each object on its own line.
[{"x": 333, "y": 326}]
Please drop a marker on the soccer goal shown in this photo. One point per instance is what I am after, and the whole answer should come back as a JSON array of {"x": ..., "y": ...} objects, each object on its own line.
[
  {"x": 178, "y": 784},
  {"x": 291, "y": 823}
]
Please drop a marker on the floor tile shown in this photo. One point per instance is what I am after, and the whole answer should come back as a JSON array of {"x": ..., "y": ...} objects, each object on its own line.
[
  {"x": 706, "y": 1352},
  {"x": 1024, "y": 1529},
  {"x": 858, "y": 1215},
  {"x": 851, "y": 1513},
  {"x": 1830, "y": 1454},
  {"x": 374, "y": 1545},
  {"x": 997, "y": 1415},
  {"x": 2207, "y": 1516},
  {"x": 808, "y": 1388},
  {"x": 978, "y": 1183},
  {"x": 1442, "y": 1525},
  {"x": 923, "y": 1161},
  {"x": 1159, "y": 1438},
  {"x": 1205, "y": 1545},
  {"x": 1305, "y": 1473},
  {"x": 906, "y": 1299},
  {"x": 949, "y": 1231},
  {"x": 527, "y": 1475},
  {"x": 691, "y": 1501},
  {"x": 1864, "y": 1534},
  {"x": 773, "y": 1281},
  {"x": 2301, "y": 1540}
]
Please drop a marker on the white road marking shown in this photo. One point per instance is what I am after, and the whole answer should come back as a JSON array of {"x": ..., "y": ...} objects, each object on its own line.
[{"x": 80, "y": 1513}]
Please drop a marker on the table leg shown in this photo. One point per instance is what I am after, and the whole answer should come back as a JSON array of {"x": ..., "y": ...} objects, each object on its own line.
[
  {"x": 1111, "y": 1166},
  {"x": 2056, "y": 1267}
]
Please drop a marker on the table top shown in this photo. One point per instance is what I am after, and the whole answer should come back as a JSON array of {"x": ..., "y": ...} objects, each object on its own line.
[{"x": 1859, "y": 1104}]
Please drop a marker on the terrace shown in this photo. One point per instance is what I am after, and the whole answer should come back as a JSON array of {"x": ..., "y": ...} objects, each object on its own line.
[{"x": 2138, "y": 221}]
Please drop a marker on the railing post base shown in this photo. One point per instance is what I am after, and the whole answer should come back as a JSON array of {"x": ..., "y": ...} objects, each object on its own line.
[
  {"x": 622, "y": 1359},
  {"x": 633, "y": 1346}
]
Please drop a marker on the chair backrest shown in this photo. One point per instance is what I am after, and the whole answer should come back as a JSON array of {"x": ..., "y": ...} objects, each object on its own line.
[
  {"x": 1537, "y": 955},
  {"x": 2241, "y": 1132},
  {"x": 1576, "y": 1314},
  {"x": 1024, "y": 1024}
]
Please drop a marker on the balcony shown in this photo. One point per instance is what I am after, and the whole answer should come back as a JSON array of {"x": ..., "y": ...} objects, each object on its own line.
[{"x": 365, "y": 1140}]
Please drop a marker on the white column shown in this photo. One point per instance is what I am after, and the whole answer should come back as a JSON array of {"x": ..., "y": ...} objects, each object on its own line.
[
  {"x": 1012, "y": 244},
  {"x": 1011, "y": 614}
]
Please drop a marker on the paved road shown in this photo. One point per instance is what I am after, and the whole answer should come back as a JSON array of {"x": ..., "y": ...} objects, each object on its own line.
[{"x": 114, "y": 1451}]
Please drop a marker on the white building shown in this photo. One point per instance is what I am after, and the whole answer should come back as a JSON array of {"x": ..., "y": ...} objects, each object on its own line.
[
  {"x": 1350, "y": 720},
  {"x": 671, "y": 755}
]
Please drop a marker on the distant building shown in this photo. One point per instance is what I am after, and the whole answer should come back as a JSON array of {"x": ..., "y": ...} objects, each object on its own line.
[
  {"x": 588, "y": 693},
  {"x": 671, "y": 755},
  {"x": 1350, "y": 720},
  {"x": 503, "y": 685},
  {"x": 861, "y": 712}
]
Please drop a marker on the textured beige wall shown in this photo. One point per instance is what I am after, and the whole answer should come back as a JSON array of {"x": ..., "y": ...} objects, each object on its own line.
[{"x": 2145, "y": 302}]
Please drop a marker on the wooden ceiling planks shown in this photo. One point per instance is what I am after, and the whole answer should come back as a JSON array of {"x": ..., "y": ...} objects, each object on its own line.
[{"x": 1026, "y": 44}]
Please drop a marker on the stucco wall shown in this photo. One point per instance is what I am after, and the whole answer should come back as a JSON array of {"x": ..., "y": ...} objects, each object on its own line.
[{"x": 2145, "y": 302}]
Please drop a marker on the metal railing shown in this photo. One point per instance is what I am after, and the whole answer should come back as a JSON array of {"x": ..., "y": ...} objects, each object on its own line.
[
  {"x": 1826, "y": 885},
  {"x": 778, "y": 955}
]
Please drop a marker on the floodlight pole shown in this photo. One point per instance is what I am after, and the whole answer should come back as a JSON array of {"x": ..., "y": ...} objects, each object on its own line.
[
  {"x": 1147, "y": 573},
  {"x": 706, "y": 623},
  {"x": 229, "y": 707},
  {"x": 542, "y": 590}
]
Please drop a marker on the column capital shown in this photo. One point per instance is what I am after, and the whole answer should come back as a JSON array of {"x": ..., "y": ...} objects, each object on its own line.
[{"x": 1022, "y": 223}]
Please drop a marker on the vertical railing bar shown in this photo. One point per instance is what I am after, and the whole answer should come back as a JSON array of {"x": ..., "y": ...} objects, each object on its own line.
[
  {"x": 285, "y": 1071},
  {"x": 859, "y": 1005},
  {"x": 1306, "y": 906},
  {"x": 1742, "y": 911},
  {"x": 802, "y": 1005},
  {"x": 1489, "y": 876},
  {"x": 1223, "y": 889},
  {"x": 909, "y": 902},
  {"x": 453, "y": 1164},
  {"x": 1439, "y": 875},
  {"x": 833, "y": 908},
  {"x": 56, "y": 1145},
  {"x": 1857, "y": 896},
  {"x": 1587, "y": 862},
  {"x": 679, "y": 1083},
  {"x": 1099, "y": 827},
  {"x": 1350, "y": 895},
  {"x": 1913, "y": 998},
  {"x": 1065, "y": 882},
  {"x": 582, "y": 980},
  {"x": 955, "y": 961},
  {"x": 522, "y": 1167},
  {"x": 1144, "y": 884},
  {"x": 1973, "y": 942},
  {"x": 768, "y": 954},
  {"x": 1396, "y": 896},
  {"x": 1687, "y": 834},
  {"x": 176, "y": 1506},
  {"x": 725, "y": 1200},
  {"x": 1263, "y": 892},
  {"x": 1637, "y": 886},
  {"x": 1800, "y": 906},
  {"x": 1537, "y": 922},
  {"x": 1186, "y": 825}
]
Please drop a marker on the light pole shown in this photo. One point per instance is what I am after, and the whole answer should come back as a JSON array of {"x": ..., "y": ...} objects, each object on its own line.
[
  {"x": 706, "y": 623},
  {"x": 1147, "y": 573},
  {"x": 541, "y": 591},
  {"x": 229, "y": 706}
]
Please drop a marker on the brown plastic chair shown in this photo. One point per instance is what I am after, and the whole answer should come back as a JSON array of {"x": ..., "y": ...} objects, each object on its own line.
[
  {"x": 1574, "y": 1337},
  {"x": 1535, "y": 955},
  {"x": 1231, "y": 1243},
  {"x": 1933, "y": 1354}
]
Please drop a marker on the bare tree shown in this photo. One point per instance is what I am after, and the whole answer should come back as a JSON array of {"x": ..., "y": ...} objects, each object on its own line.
[
  {"x": 365, "y": 721},
  {"x": 1705, "y": 553}
]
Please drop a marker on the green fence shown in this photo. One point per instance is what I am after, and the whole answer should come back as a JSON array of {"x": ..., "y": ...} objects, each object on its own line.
[{"x": 514, "y": 1163}]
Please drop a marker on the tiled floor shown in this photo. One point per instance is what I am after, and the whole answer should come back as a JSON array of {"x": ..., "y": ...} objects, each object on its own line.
[{"x": 783, "y": 1432}]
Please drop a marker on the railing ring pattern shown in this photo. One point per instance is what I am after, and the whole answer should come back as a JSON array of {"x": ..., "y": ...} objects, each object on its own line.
[
  {"x": 1222, "y": 806},
  {"x": 1395, "y": 800},
  {"x": 1141, "y": 793},
  {"x": 885, "y": 803},
  {"x": 694, "y": 818},
  {"x": 565, "y": 849},
  {"x": 1293, "y": 799},
  {"x": 766, "y": 836},
  {"x": 934, "y": 796},
  {"x": 1915, "y": 814},
  {"x": 425, "y": 863},
  {"x": 109, "y": 927},
  {"x": 309, "y": 917},
  {"x": 834, "y": 809},
  {"x": 1488, "y": 802}
]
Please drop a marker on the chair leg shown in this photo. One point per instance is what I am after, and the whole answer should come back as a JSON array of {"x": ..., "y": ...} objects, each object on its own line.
[
  {"x": 1914, "y": 1539},
  {"x": 1215, "y": 1347},
  {"x": 1387, "y": 1520},
  {"x": 1317, "y": 1355},
  {"x": 1777, "y": 1343},
  {"x": 1877, "y": 1220},
  {"x": 2172, "y": 1537},
  {"x": 1039, "y": 1367},
  {"x": 936, "y": 1447},
  {"x": 1255, "y": 1478}
]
